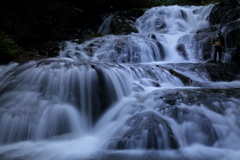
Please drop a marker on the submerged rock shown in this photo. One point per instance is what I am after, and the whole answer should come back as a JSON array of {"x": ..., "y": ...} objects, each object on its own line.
[
  {"x": 201, "y": 129},
  {"x": 148, "y": 130},
  {"x": 182, "y": 50}
]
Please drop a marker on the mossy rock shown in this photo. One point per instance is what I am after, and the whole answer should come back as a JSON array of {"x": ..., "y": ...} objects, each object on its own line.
[
  {"x": 124, "y": 28},
  {"x": 96, "y": 35}
]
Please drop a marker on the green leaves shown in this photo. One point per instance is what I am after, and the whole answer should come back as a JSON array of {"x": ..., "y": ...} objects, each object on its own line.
[
  {"x": 207, "y": 2},
  {"x": 8, "y": 46}
]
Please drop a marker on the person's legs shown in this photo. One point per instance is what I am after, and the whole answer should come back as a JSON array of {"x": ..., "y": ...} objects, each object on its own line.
[
  {"x": 215, "y": 55},
  {"x": 220, "y": 55}
]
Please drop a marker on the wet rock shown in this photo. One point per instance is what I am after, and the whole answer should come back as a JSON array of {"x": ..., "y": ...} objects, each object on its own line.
[
  {"x": 225, "y": 12},
  {"x": 153, "y": 36},
  {"x": 199, "y": 41},
  {"x": 223, "y": 17},
  {"x": 183, "y": 14},
  {"x": 148, "y": 131},
  {"x": 92, "y": 26},
  {"x": 223, "y": 72},
  {"x": 119, "y": 23},
  {"x": 232, "y": 33},
  {"x": 202, "y": 39},
  {"x": 234, "y": 55},
  {"x": 186, "y": 81},
  {"x": 200, "y": 124},
  {"x": 160, "y": 24},
  {"x": 137, "y": 88},
  {"x": 215, "y": 72},
  {"x": 181, "y": 50},
  {"x": 207, "y": 97}
]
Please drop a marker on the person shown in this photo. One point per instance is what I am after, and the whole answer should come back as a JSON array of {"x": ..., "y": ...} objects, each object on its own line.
[{"x": 219, "y": 43}]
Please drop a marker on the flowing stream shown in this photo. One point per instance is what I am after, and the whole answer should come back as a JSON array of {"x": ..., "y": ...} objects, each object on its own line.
[{"x": 116, "y": 98}]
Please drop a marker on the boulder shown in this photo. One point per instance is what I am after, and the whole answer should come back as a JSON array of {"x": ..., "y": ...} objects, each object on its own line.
[
  {"x": 182, "y": 50},
  {"x": 147, "y": 131},
  {"x": 160, "y": 25}
]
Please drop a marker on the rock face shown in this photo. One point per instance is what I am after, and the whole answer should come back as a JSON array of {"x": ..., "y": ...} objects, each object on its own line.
[
  {"x": 225, "y": 12},
  {"x": 233, "y": 34},
  {"x": 202, "y": 42},
  {"x": 224, "y": 16}
]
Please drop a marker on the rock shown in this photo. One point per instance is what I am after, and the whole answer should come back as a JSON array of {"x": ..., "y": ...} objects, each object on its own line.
[
  {"x": 223, "y": 17},
  {"x": 202, "y": 38},
  {"x": 213, "y": 71},
  {"x": 181, "y": 50},
  {"x": 200, "y": 42},
  {"x": 234, "y": 55},
  {"x": 207, "y": 96},
  {"x": 160, "y": 24},
  {"x": 91, "y": 27},
  {"x": 119, "y": 23},
  {"x": 232, "y": 33},
  {"x": 201, "y": 124},
  {"x": 123, "y": 22},
  {"x": 147, "y": 130},
  {"x": 225, "y": 12},
  {"x": 186, "y": 81}
]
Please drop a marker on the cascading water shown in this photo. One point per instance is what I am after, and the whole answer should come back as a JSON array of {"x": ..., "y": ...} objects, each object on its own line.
[
  {"x": 160, "y": 30},
  {"x": 87, "y": 108}
]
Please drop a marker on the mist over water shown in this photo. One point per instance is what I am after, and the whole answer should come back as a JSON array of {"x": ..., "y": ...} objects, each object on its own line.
[{"x": 115, "y": 98}]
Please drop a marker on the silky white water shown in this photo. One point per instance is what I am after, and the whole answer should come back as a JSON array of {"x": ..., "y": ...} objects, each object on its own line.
[
  {"x": 166, "y": 24},
  {"x": 115, "y": 98}
]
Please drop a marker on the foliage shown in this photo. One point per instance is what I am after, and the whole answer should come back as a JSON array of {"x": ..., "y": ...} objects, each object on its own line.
[
  {"x": 8, "y": 48},
  {"x": 9, "y": 51},
  {"x": 96, "y": 35},
  {"x": 30, "y": 53},
  {"x": 207, "y": 2},
  {"x": 184, "y": 2},
  {"x": 163, "y": 2},
  {"x": 128, "y": 28}
]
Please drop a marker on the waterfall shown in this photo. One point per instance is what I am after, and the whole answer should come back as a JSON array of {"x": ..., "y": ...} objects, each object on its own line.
[
  {"x": 106, "y": 25},
  {"x": 160, "y": 30},
  {"x": 122, "y": 97}
]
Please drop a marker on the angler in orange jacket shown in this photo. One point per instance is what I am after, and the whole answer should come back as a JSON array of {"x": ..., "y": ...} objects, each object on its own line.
[{"x": 219, "y": 43}]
